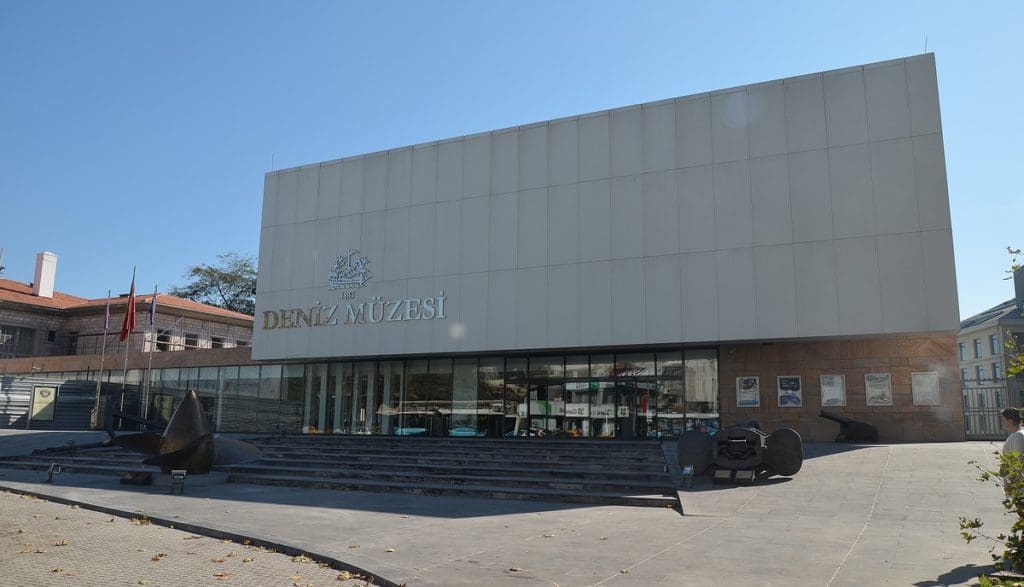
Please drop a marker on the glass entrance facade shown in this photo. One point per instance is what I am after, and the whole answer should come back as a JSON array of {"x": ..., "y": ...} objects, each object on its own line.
[
  {"x": 603, "y": 395},
  {"x": 629, "y": 395}
]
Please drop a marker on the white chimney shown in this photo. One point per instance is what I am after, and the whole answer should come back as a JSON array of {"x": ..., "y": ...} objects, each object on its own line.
[{"x": 46, "y": 274}]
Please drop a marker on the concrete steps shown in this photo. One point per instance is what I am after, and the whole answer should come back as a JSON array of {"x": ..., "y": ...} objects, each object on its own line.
[
  {"x": 570, "y": 471},
  {"x": 442, "y": 467},
  {"x": 491, "y": 492},
  {"x": 574, "y": 471}
]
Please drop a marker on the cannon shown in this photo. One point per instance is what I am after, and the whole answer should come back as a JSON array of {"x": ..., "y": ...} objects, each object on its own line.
[
  {"x": 852, "y": 430},
  {"x": 742, "y": 454}
]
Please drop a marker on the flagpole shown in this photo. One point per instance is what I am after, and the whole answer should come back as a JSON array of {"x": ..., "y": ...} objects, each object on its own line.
[
  {"x": 127, "y": 341},
  {"x": 152, "y": 343},
  {"x": 103, "y": 353}
]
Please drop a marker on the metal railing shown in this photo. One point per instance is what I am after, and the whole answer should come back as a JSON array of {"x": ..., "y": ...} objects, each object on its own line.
[{"x": 981, "y": 412}]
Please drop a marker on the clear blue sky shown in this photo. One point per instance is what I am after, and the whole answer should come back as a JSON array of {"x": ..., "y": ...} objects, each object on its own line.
[{"x": 138, "y": 133}]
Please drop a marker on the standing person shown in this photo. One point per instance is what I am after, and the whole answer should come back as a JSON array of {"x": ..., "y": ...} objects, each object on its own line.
[
  {"x": 1011, "y": 424},
  {"x": 1014, "y": 443}
]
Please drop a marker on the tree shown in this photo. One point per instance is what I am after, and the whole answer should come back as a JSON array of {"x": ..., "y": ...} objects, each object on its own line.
[{"x": 229, "y": 284}]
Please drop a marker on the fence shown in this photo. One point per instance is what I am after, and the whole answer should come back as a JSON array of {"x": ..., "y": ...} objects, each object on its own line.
[{"x": 981, "y": 412}]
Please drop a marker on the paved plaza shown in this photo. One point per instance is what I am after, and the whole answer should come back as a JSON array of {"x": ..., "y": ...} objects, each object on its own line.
[{"x": 871, "y": 515}]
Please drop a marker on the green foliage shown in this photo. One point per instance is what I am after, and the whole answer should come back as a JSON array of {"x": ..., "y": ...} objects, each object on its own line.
[
  {"x": 1007, "y": 549},
  {"x": 230, "y": 284}
]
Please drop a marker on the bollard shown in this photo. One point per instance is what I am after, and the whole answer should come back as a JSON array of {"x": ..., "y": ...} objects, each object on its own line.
[
  {"x": 178, "y": 480},
  {"x": 55, "y": 469}
]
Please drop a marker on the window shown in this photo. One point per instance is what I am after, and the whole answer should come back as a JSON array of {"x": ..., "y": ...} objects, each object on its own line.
[
  {"x": 999, "y": 400},
  {"x": 979, "y": 373},
  {"x": 993, "y": 343},
  {"x": 192, "y": 340},
  {"x": 242, "y": 343},
  {"x": 51, "y": 336},
  {"x": 963, "y": 351},
  {"x": 997, "y": 371},
  {"x": 71, "y": 344},
  {"x": 963, "y": 375},
  {"x": 217, "y": 342},
  {"x": 977, "y": 348},
  {"x": 163, "y": 341},
  {"x": 16, "y": 342}
]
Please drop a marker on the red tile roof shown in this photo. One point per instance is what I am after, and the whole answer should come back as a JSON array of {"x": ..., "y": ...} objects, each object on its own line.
[{"x": 21, "y": 293}]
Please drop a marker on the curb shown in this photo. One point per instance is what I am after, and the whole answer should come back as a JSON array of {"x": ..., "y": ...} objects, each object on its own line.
[{"x": 340, "y": 565}]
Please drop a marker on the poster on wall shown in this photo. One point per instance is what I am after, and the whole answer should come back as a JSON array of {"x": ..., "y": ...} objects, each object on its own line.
[
  {"x": 925, "y": 388},
  {"x": 748, "y": 392},
  {"x": 878, "y": 389},
  {"x": 791, "y": 393},
  {"x": 833, "y": 390},
  {"x": 43, "y": 399}
]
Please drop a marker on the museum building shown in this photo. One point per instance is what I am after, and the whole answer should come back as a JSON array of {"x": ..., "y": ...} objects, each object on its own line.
[
  {"x": 759, "y": 253},
  {"x": 755, "y": 253}
]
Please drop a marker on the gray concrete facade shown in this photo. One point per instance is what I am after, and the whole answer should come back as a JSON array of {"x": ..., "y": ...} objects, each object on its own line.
[{"x": 813, "y": 206}]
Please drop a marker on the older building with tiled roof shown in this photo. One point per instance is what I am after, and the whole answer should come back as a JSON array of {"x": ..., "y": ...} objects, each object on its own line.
[{"x": 38, "y": 321}]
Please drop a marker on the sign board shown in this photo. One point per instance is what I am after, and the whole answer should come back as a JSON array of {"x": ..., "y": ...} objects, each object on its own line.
[{"x": 44, "y": 399}]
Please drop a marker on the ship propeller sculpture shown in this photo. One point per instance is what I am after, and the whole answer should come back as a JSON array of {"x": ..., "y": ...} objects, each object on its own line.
[{"x": 187, "y": 442}]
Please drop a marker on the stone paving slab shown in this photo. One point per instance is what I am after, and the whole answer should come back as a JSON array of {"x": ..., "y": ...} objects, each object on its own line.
[
  {"x": 44, "y": 543},
  {"x": 874, "y": 515}
]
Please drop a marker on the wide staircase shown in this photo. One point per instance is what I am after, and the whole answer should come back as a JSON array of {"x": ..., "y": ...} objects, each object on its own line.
[
  {"x": 578, "y": 471},
  {"x": 607, "y": 472}
]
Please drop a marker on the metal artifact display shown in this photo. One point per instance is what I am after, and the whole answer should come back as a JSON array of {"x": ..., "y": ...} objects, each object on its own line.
[
  {"x": 852, "y": 430},
  {"x": 743, "y": 454},
  {"x": 187, "y": 443}
]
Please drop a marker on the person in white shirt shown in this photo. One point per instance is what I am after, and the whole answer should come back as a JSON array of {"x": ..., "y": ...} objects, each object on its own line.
[
  {"x": 1015, "y": 441},
  {"x": 1011, "y": 424}
]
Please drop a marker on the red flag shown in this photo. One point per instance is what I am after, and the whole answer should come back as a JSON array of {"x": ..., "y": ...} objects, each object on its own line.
[{"x": 129, "y": 314}]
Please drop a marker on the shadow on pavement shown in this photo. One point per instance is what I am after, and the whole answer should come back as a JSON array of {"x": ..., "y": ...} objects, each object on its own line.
[
  {"x": 963, "y": 575},
  {"x": 203, "y": 488}
]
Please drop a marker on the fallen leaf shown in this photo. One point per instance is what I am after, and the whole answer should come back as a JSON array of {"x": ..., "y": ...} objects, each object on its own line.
[
  {"x": 158, "y": 556},
  {"x": 57, "y": 570},
  {"x": 405, "y": 516},
  {"x": 624, "y": 571},
  {"x": 74, "y": 506},
  {"x": 190, "y": 552},
  {"x": 344, "y": 576},
  {"x": 231, "y": 554},
  {"x": 353, "y": 546},
  {"x": 390, "y": 550},
  {"x": 515, "y": 569},
  {"x": 20, "y": 531},
  {"x": 39, "y": 551},
  {"x": 111, "y": 520},
  {"x": 217, "y": 559},
  {"x": 550, "y": 535},
  {"x": 301, "y": 559},
  {"x": 192, "y": 537},
  {"x": 221, "y": 575},
  {"x": 143, "y": 582},
  {"x": 37, "y": 515},
  {"x": 247, "y": 559},
  {"x": 296, "y": 577},
  {"x": 604, "y": 538}
]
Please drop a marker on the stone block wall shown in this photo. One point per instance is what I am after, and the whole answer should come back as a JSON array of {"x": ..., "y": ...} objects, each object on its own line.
[
  {"x": 899, "y": 355},
  {"x": 41, "y": 323}
]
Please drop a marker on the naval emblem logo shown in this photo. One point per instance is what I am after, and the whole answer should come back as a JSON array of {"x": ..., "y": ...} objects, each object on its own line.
[{"x": 349, "y": 271}]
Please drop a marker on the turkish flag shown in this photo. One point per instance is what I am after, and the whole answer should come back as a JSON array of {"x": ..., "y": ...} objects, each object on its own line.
[{"x": 129, "y": 314}]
